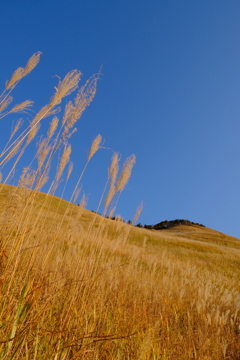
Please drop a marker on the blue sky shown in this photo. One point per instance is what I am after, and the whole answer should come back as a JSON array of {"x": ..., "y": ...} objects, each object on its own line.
[{"x": 169, "y": 93}]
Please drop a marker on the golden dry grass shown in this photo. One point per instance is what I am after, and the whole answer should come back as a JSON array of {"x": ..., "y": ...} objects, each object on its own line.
[{"x": 79, "y": 286}]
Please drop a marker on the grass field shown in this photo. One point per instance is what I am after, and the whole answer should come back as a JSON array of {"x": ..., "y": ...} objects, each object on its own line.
[{"x": 75, "y": 285}]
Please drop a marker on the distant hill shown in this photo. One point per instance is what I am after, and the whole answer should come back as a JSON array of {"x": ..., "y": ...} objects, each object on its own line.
[{"x": 169, "y": 224}]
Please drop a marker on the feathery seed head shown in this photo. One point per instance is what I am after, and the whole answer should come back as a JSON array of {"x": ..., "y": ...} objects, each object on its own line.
[
  {"x": 11, "y": 154},
  {"x": 68, "y": 111},
  {"x": 42, "y": 152},
  {"x": 16, "y": 77},
  {"x": 32, "y": 133},
  {"x": 17, "y": 127},
  {"x": 66, "y": 87},
  {"x": 73, "y": 111},
  {"x": 32, "y": 62},
  {"x": 86, "y": 93},
  {"x": 96, "y": 144},
  {"x": 23, "y": 107},
  {"x": 70, "y": 168},
  {"x": 83, "y": 202},
  {"x": 112, "y": 175},
  {"x": 76, "y": 194},
  {"x": 20, "y": 72},
  {"x": 27, "y": 178},
  {"x": 44, "y": 112},
  {"x": 53, "y": 127},
  {"x": 42, "y": 180},
  {"x": 110, "y": 195},
  {"x": 138, "y": 212},
  {"x": 113, "y": 168},
  {"x": 63, "y": 162},
  {"x": 69, "y": 134},
  {"x": 5, "y": 102},
  {"x": 126, "y": 173}
]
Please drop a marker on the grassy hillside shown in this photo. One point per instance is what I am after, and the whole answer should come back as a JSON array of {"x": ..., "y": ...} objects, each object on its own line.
[{"x": 75, "y": 285}]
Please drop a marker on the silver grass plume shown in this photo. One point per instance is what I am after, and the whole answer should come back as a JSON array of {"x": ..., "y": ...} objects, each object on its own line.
[
  {"x": 126, "y": 173},
  {"x": 138, "y": 212}
]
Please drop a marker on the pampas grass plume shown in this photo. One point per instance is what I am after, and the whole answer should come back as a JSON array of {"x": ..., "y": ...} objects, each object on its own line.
[
  {"x": 32, "y": 62},
  {"x": 96, "y": 144},
  {"x": 16, "y": 127},
  {"x": 53, "y": 127},
  {"x": 32, "y": 133},
  {"x": 20, "y": 72},
  {"x": 113, "y": 168},
  {"x": 23, "y": 107},
  {"x": 4, "y": 104},
  {"x": 138, "y": 212},
  {"x": 70, "y": 169},
  {"x": 66, "y": 86},
  {"x": 16, "y": 77},
  {"x": 126, "y": 173},
  {"x": 63, "y": 162}
]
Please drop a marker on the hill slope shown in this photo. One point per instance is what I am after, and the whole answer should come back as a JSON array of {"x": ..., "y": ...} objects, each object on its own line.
[
  {"x": 77, "y": 285},
  {"x": 201, "y": 245}
]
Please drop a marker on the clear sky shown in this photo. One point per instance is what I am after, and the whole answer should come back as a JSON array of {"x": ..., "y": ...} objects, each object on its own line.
[{"x": 170, "y": 93}]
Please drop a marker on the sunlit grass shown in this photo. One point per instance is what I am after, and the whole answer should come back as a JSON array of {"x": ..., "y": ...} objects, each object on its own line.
[
  {"x": 116, "y": 291},
  {"x": 77, "y": 285}
]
